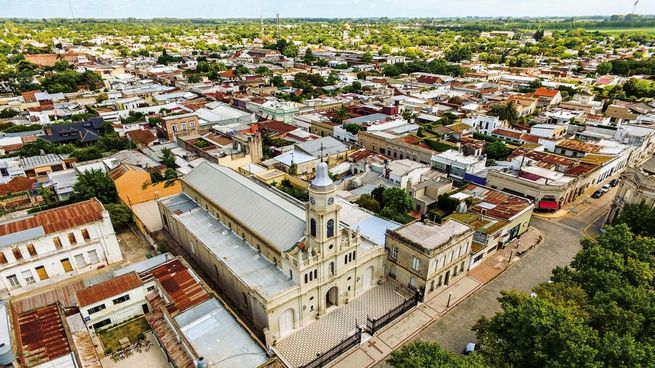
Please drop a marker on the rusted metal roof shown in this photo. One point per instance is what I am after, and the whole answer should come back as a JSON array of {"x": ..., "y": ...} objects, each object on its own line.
[
  {"x": 184, "y": 290},
  {"x": 110, "y": 288},
  {"x": 57, "y": 219},
  {"x": 65, "y": 295},
  {"x": 41, "y": 335}
]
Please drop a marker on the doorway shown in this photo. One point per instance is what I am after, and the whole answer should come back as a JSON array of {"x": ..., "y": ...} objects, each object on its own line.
[
  {"x": 331, "y": 297},
  {"x": 447, "y": 278}
]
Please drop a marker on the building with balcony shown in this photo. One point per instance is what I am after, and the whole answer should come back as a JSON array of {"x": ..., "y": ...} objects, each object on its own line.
[
  {"x": 49, "y": 246},
  {"x": 427, "y": 256}
]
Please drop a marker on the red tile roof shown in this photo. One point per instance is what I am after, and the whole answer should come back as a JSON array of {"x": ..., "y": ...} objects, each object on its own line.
[
  {"x": 110, "y": 288},
  {"x": 184, "y": 290},
  {"x": 41, "y": 335},
  {"x": 141, "y": 136},
  {"x": 17, "y": 185},
  {"x": 277, "y": 126},
  {"x": 57, "y": 219},
  {"x": 545, "y": 92}
]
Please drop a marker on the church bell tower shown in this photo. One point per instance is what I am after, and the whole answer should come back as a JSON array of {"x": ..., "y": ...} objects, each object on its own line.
[{"x": 322, "y": 213}]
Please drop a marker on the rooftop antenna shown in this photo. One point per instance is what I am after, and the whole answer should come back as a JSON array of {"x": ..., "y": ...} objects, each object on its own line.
[{"x": 70, "y": 7}]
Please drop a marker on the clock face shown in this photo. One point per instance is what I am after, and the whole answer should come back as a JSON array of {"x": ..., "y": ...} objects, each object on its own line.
[
  {"x": 312, "y": 200},
  {"x": 330, "y": 201}
]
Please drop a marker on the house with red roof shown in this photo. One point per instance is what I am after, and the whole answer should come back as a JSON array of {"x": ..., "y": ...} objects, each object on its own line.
[{"x": 547, "y": 97}]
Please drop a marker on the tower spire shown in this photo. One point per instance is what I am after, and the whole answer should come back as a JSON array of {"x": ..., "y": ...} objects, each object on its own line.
[{"x": 322, "y": 148}]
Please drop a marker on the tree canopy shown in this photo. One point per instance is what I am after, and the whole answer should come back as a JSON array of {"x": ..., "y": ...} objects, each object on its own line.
[{"x": 95, "y": 183}]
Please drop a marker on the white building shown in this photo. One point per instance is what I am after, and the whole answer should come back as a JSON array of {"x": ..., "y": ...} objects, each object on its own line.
[
  {"x": 456, "y": 165},
  {"x": 484, "y": 124},
  {"x": 46, "y": 247},
  {"x": 112, "y": 302}
]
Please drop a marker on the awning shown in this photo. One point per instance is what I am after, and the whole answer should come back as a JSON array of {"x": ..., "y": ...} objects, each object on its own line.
[{"x": 548, "y": 205}]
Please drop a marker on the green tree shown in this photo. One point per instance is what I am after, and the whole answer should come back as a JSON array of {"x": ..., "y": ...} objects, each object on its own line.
[
  {"x": 506, "y": 111},
  {"x": 397, "y": 204},
  {"x": 640, "y": 217},
  {"x": 498, "y": 151},
  {"x": 368, "y": 202},
  {"x": 362, "y": 75},
  {"x": 119, "y": 214},
  {"x": 309, "y": 56},
  {"x": 340, "y": 115},
  {"x": 409, "y": 116},
  {"x": 538, "y": 35},
  {"x": 459, "y": 53},
  {"x": 533, "y": 332},
  {"x": 94, "y": 183},
  {"x": 168, "y": 158},
  {"x": 604, "y": 68},
  {"x": 8, "y": 113},
  {"x": 639, "y": 88},
  {"x": 102, "y": 97},
  {"x": 367, "y": 57},
  {"x": 277, "y": 81},
  {"x": 431, "y": 355}
]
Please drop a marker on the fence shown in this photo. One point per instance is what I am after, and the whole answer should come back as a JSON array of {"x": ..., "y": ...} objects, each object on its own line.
[
  {"x": 328, "y": 356},
  {"x": 374, "y": 325}
]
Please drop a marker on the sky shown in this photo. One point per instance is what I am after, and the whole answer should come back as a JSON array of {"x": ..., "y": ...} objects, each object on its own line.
[{"x": 314, "y": 8}]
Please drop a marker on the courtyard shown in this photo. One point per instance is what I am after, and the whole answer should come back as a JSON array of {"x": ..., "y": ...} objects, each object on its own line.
[{"x": 305, "y": 344}]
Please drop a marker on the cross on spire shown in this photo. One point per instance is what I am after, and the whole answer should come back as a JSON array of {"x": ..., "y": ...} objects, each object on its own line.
[{"x": 321, "y": 157}]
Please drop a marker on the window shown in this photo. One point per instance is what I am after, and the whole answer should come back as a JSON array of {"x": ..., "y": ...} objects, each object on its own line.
[
  {"x": 79, "y": 260},
  {"x": 394, "y": 252},
  {"x": 66, "y": 264},
  {"x": 102, "y": 323},
  {"x": 174, "y": 127},
  {"x": 93, "y": 257},
  {"x": 312, "y": 227},
  {"x": 17, "y": 253},
  {"x": 43, "y": 274},
  {"x": 13, "y": 281},
  {"x": 415, "y": 263},
  {"x": 28, "y": 277},
  {"x": 57, "y": 242},
  {"x": 96, "y": 309},
  {"x": 121, "y": 299},
  {"x": 3, "y": 258},
  {"x": 331, "y": 268},
  {"x": 31, "y": 250},
  {"x": 85, "y": 234},
  {"x": 330, "y": 228},
  {"x": 183, "y": 126},
  {"x": 71, "y": 239}
]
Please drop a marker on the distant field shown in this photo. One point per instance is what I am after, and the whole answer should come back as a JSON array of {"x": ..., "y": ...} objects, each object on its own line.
[{"x": 649, "y": 30}]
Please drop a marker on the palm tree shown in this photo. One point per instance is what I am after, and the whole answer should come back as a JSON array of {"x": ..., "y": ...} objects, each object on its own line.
[
  {"x": 409, "y": 115},
  {"x": 507, "y": 111}
]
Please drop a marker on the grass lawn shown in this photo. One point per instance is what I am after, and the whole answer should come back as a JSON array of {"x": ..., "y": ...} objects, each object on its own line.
[
  {"x": 131, "y": 330},
  {"x": 649, "y": 30}
]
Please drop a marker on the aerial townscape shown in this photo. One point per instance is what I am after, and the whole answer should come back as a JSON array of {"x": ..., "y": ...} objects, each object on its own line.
[{"x": 313, "y": 190}]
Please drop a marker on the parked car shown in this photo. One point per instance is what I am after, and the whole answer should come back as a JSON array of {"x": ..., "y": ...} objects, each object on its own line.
[
  {"x": 606, "y": 188},
  {"x": 614, "y": 182},
  {"x": 470, "y": 348},
  {"x": 597, "y": 194}
]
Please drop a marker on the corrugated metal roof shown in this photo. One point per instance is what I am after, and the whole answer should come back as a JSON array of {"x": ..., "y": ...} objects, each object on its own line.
[
  {"x": 273, "y": 219},
  {"x": 42, "y": 336},
  {"x": 184, "y": 290},
  {"x": 50, "y": 221},
  {"x": 110, "y": 288}
]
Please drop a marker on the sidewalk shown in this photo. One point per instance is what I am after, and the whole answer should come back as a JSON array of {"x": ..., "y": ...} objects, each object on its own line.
[{"x": 377, "y": 348}]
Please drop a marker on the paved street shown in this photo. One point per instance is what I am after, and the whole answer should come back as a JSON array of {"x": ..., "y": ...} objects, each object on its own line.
[{"x": 561, "y": 242}]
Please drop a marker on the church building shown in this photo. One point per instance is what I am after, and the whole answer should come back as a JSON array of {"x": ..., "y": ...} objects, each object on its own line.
[{"x": 283, "y": 263}]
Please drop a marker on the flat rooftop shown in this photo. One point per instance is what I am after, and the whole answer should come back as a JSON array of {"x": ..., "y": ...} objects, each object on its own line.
[
  {"x": 219, "y": 338},
  {"x": 432, "y": 236},
  {"x": 244, "y": 261}
]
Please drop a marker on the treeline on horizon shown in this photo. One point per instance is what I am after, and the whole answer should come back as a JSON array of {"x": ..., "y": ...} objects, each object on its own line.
[{"x": 450, "y": 23}]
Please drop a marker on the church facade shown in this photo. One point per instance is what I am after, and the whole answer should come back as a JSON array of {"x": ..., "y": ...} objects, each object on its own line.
[{"x": 283, "y": 264}]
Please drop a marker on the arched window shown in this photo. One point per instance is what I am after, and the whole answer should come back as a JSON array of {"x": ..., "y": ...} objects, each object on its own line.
[
  {"x": 312, "y": 227},
  {"x": 330, "y": 228}
]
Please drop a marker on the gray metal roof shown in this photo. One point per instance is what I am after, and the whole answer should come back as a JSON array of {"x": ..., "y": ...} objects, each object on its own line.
[
  {"x": 330, "y": 145},
  {"x": 219, "y": 338},
  {"x": 244, "y": 261},
  {"x": 272, "y": 218}
]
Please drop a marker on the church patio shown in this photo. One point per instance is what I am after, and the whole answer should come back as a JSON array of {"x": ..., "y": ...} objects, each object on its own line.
[{"x": 302, "y": 346}]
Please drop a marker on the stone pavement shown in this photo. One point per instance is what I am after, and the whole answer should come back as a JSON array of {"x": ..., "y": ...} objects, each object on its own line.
[
  {"x": 304, "y": 345},
  {"x": 377, "y": 348}
]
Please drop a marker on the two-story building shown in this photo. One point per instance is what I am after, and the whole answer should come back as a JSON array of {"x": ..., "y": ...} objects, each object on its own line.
[
  {"x": 427, "y": 256},
  {"x": 42, "y": 248}
]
